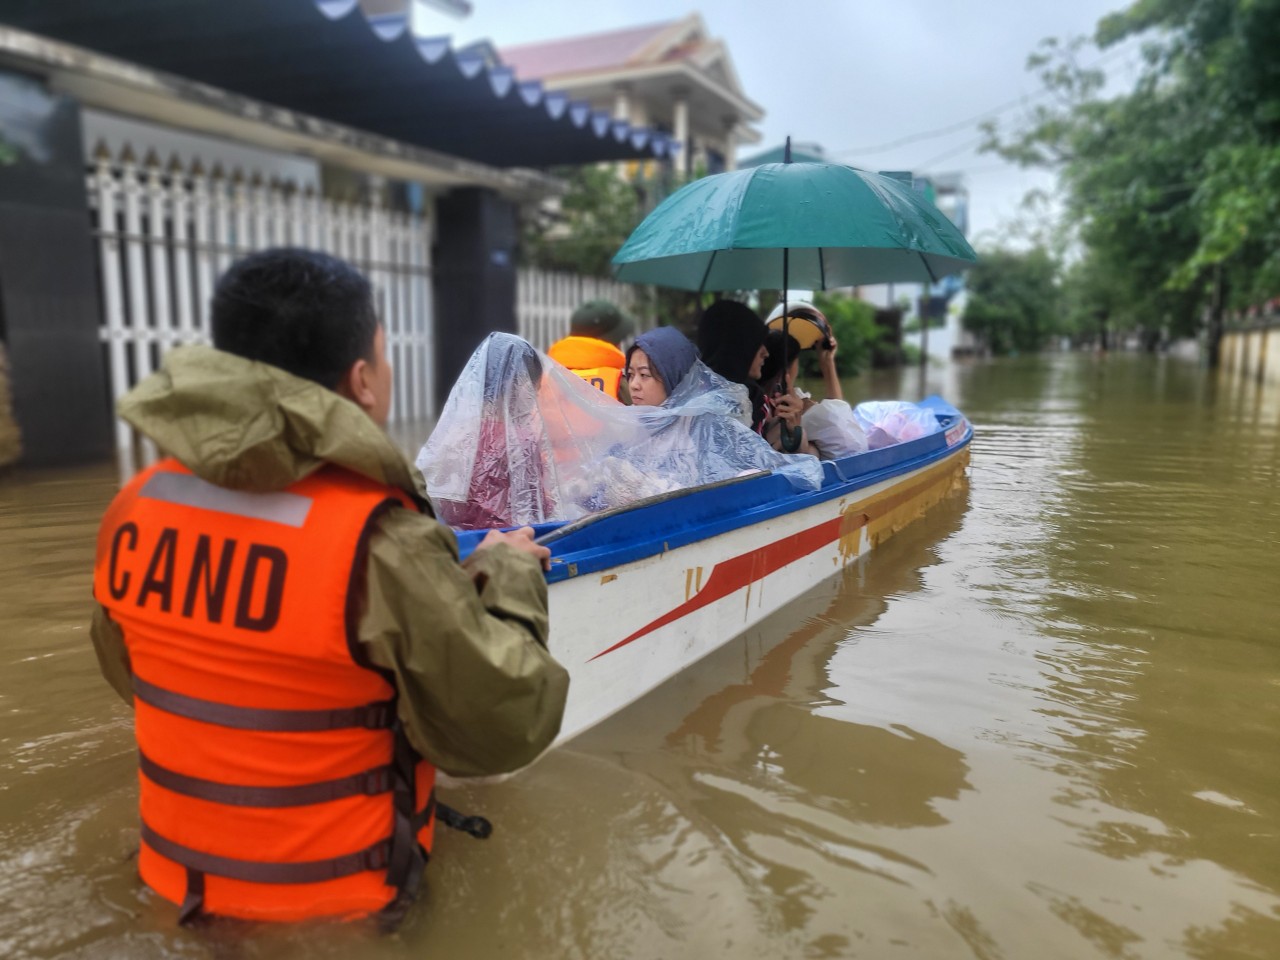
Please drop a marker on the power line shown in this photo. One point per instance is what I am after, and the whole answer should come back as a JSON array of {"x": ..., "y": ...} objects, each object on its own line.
[
  {"x": 931, "y": 134},
  {"x": 967, "y": 145},
  {"x": 974, "y": 171},
  {"x": 985, "y": 114}
]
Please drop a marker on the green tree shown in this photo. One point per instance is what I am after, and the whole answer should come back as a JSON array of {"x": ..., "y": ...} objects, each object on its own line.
[
  {"x": 853, "y": 323},
  {"x": 582, "y": 232},
  {"x": 1173, "y": 188},
  {"x": 592, "y": 219},
  {"x": 1089, "y": 293},
  {"x": 1014, "y": 301}
]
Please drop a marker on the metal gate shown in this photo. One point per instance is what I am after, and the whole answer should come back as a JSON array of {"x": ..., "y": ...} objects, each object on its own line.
[
  {"x": 545, "y": 300},
  {"x": 165, "y": 234}
]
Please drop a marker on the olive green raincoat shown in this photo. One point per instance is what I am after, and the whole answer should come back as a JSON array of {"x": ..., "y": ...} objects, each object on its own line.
[{"x": 478, "y": 692}]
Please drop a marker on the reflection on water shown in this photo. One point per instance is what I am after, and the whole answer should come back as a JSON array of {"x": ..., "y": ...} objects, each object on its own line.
[{"x": 1043, "y": 721}]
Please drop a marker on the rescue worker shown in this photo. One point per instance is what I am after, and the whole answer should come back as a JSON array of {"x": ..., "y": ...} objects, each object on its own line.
[
  {"x": 592, "y": 351},
  {"x": 302, "y": 648}
]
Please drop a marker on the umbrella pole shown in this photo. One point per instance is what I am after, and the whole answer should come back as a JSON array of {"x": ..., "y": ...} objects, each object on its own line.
[
  {"x": 786, "y": 252},
  {"x": 784, "y": 432}
]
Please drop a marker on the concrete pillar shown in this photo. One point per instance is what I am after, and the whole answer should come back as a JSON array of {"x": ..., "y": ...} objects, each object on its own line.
[
  {"x": 698, "y": 154},
  {"x": 622, "y": 102},
  {"x": 730, "y": 150},
  {"x": 49, "y": 305},
  {"x": 473, "y": 276},
  {"x": 680, "y": 131}
]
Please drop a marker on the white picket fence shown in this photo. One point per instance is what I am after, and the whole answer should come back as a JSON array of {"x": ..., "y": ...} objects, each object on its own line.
[
  {"x": 165, "y": 235},
  {"x": 545, "y": 300}
]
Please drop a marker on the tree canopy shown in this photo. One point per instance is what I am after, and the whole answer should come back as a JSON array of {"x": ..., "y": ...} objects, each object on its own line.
[
  {"x": 853, "y": 324},
  {"x": 583, "y": 231},
  {"x": 1173, "y": 187},
  {"x": 1013, "y": 301}
]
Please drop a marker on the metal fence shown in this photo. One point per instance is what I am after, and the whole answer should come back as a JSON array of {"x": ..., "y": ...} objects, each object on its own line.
[
  {"x": 545, "y": 300},
  {"x": 165, "y": 234}
]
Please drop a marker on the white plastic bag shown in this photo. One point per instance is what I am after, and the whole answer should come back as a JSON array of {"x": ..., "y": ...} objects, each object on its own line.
[
  {"x": 834, "y": 430},
  {"x": 887, "y": 422}
]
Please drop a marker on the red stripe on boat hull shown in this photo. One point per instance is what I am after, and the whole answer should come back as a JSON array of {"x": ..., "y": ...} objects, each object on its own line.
[{"x": 737, "y": 572}]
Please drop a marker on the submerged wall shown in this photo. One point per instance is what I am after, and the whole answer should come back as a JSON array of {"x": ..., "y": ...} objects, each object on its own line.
[{"x": 1253, "y": 352}]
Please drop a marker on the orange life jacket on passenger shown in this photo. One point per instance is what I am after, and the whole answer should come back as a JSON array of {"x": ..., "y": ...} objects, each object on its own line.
[
  {"x": 595, "y": 361},
  {"x": 275, "y": 780}
]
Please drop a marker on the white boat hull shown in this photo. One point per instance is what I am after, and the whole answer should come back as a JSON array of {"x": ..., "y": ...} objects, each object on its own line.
[{"x": 623, "y": 631}]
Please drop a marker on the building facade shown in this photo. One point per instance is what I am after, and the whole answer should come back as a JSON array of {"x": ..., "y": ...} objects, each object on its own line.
[
  {"x": 145, "y": 146},
  {"x": 671, "y": 76}
]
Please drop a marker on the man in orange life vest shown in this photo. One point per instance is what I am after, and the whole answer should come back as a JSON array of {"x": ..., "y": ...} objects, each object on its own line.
[
  {"x": 300, "y": 644},
  {"x": 591, "y": 349}
]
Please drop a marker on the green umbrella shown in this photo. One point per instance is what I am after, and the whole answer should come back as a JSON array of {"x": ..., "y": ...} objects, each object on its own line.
[{"x": 801, "y": 225}]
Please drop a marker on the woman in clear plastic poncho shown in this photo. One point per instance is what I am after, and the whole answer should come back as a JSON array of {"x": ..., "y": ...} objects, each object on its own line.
[
  {"x": 522, "y": 440},
  {"x": 701, "y": 425}
]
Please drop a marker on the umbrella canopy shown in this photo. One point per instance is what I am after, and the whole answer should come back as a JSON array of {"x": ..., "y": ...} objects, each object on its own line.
[{"x": 838, "y": 227}]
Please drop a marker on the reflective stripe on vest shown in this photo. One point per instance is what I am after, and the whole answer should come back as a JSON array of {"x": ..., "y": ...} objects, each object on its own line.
[
  {"x": 262, "y": 733},
  {"x": 375, "y": 857},
  {"x": 371, "y": 716},
  {"x": 605, "y": 379},
  {"x": 369, "y": 782}
]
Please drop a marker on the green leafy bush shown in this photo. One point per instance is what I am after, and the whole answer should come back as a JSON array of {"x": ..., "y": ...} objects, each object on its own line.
[{"x": 853, "y": 322}]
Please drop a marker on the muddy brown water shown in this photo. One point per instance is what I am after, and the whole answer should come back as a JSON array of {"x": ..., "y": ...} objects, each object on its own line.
[{"x": 1043, "y": 721}]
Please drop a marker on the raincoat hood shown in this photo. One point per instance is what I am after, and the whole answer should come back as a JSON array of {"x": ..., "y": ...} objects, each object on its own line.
[
  {"x": 670, "y": 353},
  {"x": 251, "y": 426}
]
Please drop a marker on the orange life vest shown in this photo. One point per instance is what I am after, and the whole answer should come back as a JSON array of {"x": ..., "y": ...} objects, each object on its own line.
[
  {"x": 275, "y": 781},
  {"x": 597, "y": 362}
]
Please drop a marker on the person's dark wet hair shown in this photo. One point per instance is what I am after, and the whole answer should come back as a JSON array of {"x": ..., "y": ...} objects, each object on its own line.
[
  {"x": 729, "y": 336},
  {"x": 778, "y": 344},
  {"x": 303, "y": 311}
]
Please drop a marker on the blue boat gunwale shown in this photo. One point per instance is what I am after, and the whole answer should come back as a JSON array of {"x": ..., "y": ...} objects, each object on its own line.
[{"x": 631, "y": 533}]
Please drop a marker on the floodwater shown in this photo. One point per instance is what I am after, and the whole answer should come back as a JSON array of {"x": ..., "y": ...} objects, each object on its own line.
[{"x": 1041, "y": 722}]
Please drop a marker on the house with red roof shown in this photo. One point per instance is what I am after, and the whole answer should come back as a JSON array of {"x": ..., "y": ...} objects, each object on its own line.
[{"x": 672, "y": 76}]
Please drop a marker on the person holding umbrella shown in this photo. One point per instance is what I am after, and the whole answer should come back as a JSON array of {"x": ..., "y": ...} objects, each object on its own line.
[
  {"x": 732, "y": 340},
  {"x": 831, "y": 429},
  {"x": 784, "y": 404},
  {"x": 809, "y": 329}
]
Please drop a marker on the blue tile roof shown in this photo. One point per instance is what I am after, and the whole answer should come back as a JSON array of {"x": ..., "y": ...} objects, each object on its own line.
[{"x": 328, "y": 59}]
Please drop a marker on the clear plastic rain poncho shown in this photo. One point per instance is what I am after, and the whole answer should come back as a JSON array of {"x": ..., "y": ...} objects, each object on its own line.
[{"x": 522, "y": 440}]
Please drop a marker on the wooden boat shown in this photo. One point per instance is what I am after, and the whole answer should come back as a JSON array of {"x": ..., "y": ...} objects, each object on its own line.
[{"x": 639, "y": 593}]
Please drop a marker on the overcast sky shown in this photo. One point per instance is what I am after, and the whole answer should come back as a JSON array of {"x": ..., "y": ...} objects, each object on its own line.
[{"x": 852, "y": 74}]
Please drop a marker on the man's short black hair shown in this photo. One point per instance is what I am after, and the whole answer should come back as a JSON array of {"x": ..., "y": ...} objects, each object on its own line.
[{"x": 303, "y": 311}]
